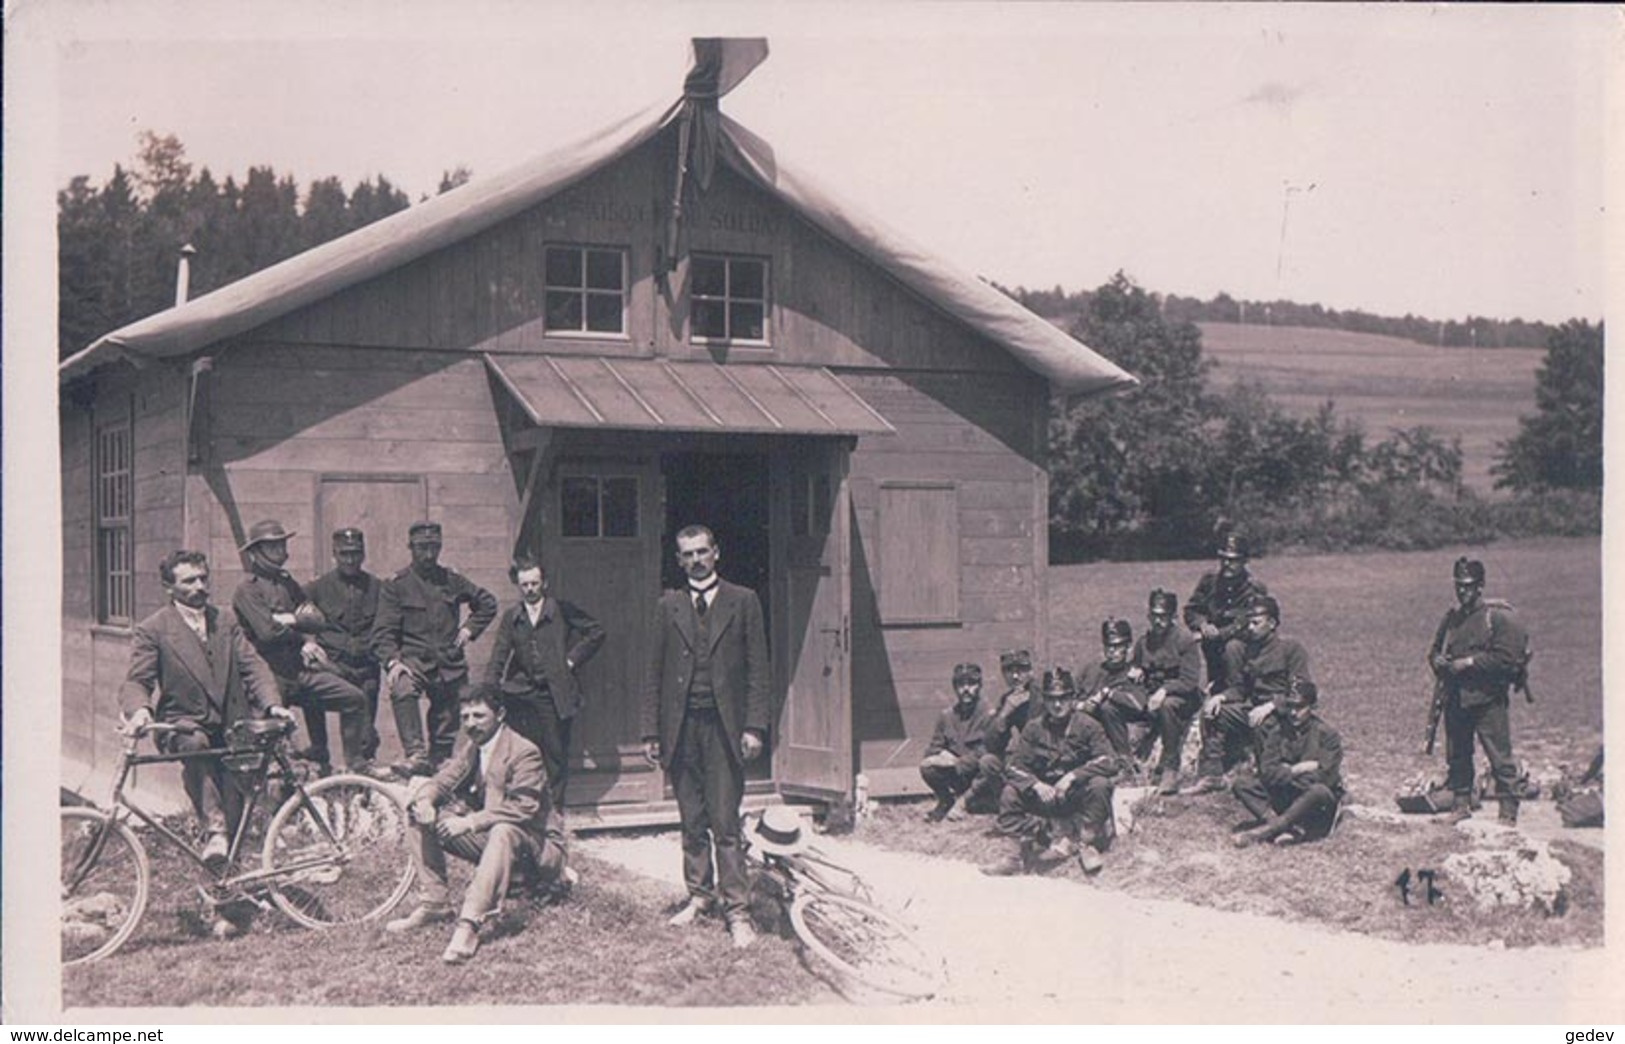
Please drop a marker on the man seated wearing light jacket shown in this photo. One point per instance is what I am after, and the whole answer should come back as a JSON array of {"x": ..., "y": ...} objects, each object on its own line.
[{"x": 487, "y": 804}]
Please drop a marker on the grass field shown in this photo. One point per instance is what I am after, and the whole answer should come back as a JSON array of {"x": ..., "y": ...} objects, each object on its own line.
[
  {"x": 1385, "y": 382},
  {"x": 1366, "y": 620}
]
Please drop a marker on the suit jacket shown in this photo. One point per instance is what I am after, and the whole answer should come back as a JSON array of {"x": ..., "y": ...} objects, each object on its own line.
[
  {"x": 529, "y": 659},
  {"x": 213, "y": 686},
  {"x": 739, "y": 668},
  {"x": 514, "y": 789}
]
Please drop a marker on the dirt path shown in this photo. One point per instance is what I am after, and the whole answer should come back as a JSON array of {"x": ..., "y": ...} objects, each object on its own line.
[{"x": 1031, "y": 948}]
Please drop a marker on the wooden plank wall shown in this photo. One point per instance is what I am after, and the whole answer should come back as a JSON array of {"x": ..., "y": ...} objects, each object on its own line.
[
  {"x": 94, "y": 656},
  {"x": 949, "y": 429},
  {"x": 286, "y": 415}
]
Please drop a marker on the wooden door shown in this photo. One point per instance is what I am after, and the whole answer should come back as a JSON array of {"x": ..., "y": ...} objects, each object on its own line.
[
  {"x": 599, "y": 545},
  {"x": 381, "y": 506},
  {"x": 813, "y": 740}
]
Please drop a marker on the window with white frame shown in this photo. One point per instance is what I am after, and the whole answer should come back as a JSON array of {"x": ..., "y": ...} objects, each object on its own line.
[
  {"x": 728, "y": 299},
  {"x": 586, "y": 290},
  {"x": 115, "y": 509}
]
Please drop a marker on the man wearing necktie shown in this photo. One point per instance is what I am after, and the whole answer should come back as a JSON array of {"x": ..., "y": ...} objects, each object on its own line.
[
  {"x": 705, "y": 707},
  {"x": 487, "y": 804}
]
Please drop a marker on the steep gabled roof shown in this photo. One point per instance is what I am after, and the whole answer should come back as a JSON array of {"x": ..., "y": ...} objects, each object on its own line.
[{"x": 446, "y": 219}]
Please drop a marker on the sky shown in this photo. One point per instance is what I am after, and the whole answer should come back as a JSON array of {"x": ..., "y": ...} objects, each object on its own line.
[{"x": 1438, "y": 160}]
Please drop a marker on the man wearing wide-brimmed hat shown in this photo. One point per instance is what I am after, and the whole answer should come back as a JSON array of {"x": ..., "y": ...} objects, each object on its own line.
[
  {"x": 421, "y": 637},
  {"x": 1479, "y": 653},
  {"x": 1217, "y": 610},
  {"x": 281, "y": 621},
  {"x": 1057, "y": 798}
]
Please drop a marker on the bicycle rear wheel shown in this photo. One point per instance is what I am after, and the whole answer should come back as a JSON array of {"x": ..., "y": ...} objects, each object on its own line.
[
  {"x": 105, "y": 878},
  {"x": 865, "y": 944},
  {"x": 342, "y": 859}
]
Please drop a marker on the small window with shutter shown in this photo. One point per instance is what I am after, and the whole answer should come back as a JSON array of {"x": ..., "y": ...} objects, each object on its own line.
[{"x": 918, "y": 553}]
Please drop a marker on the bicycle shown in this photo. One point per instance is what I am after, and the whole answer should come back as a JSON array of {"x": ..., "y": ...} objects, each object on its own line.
[
  {"x": 833, "y": 914},
  {"x": 335, "y": 852}
]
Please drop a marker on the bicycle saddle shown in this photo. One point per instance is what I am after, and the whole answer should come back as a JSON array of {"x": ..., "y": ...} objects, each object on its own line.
[{"x": 258, "y": 732}]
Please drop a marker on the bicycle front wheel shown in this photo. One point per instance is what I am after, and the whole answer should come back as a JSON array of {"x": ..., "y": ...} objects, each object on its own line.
[
  {"x": 105, "y": 878},
  {"x": 865, "y": 944},
  {"x": 342, "y": 858}
]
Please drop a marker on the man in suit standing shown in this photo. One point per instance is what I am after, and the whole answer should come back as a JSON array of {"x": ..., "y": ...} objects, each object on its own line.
[
  {"x": 540, "y": 643},
  {"x": 421, "y": 638},
  {"x": 205, "y": 676},
  {"x": 705, "y": 708},
  {"x": 488, "y": 805}
]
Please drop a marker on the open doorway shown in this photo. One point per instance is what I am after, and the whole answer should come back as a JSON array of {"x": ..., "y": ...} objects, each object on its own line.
[{"x": 729, "y": 493}]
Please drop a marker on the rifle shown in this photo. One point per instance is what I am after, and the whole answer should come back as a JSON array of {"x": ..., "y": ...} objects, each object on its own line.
[{"x": 1435, "y": 713}]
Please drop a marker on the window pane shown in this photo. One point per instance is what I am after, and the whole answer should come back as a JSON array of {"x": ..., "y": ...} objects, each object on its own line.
[
  {"x": 746, "y": 279},
  {"x": 563, "y": 266},
  {"x": 604, "y": 313},
  {"x": 746, "y": 322},
  {"x": 604, "y": 269},
  {"x": 710, "y": 319},
  {"x": 621, "y": 507},
  {"x": 579, "y": 503},
  {"x": 563, "y": 310},
  {"x": 708, "y": 276}
]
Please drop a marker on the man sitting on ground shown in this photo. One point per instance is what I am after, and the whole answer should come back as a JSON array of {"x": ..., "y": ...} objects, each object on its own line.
[
  {"x": 1259, "y": 680},
  {"x": 1169, "y": 665},
  {"x": 1111, "y": 690},
  {"x": 1057, "y": 798},
  {"x": 954, "y": 766},
  {"x": 487, "y": 804},
  {"x": 1019, "y": 702},
  {"x": 1299, "y": 782}
]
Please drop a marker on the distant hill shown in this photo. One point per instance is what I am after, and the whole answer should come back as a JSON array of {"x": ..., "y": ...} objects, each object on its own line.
[{"x": 1386, "y": 382}]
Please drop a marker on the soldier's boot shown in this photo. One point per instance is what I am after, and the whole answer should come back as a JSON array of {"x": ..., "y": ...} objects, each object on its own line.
[
  {"x": 1509, "y": 811},
  {"x": 1461, "y": 809},
  {"x": 940, "y": 810},
  {"x": 1057, "y": 851},
  {"x": 957, "y": 811}
]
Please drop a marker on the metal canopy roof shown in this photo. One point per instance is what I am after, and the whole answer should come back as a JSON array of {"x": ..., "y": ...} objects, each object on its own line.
[{"x": 662, "y": 395}]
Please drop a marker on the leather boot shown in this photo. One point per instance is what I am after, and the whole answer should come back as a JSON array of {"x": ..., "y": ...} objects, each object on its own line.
[{"x": 1509, "y": 811}]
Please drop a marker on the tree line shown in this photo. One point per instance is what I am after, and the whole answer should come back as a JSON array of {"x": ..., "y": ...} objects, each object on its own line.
[
  {"x": 118, "y": 242},
  {"x": 1152, "y": 473},
  {"x": 1156, "y": 472},
  {"x": 1063, "y": 307}
]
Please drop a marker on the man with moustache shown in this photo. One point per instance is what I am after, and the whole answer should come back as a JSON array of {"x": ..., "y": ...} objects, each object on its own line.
[
  {"x": 1216, "y": 610},
  {"x": 1168, "y": 663},
  {"x": 705, "y": 708},
  {"x": 1019, "y": 702},
  {"x": 540, "y": 643},
  {"x": 1299, "y": 781},
  {"x": 347, "y": 596},
  {"x": 277, "y": 616},
  {"x": 955, "y": 766},
  {"x": 421, "y": 637}
]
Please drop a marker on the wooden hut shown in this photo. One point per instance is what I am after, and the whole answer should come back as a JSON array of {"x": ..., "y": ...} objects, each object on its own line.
[{"x": 657, "y": 326}]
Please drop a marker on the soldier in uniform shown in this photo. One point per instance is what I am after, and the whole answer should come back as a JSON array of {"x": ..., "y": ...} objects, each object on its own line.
[
  {"x": 1216, "y": 610},
  {"x": 282, "y": 624},
  {"x": 421, "y": 638},
  {"x": 1478, "y": 653},
  {"x": 1259, "y": 680},
  {"x": 1057, "y": 797},
  {"x": 1169, "y": 665},
  {"x": 1014, "y": 708},
  {"x": 956, "y": 767},
  {"x": 347, "y": 596},
  {"x": 1299, "y": 781},
  {"x": 1111, "y": 693}
]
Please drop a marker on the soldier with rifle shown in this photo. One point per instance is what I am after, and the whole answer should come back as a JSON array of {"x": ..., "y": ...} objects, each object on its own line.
[{"x": 1479, "y": 653}]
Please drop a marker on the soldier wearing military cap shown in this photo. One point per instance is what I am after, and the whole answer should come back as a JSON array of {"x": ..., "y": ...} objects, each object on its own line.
[
  {"x": 1015, "y": 706},
  {"x": 955, "y": 765},
  {"x": 1169, "y": 664},
  {"x": 1216, "y": 610},
  {"x": 1057, "y": 797},
  {"x": 347, "y": 596},
  {"x": 283, "y": 624},
  {"x": 1110, "y": 689},
  {"x": 1299, "y": 782},
  {"x": 1480, "y": 651},
  {"x": 1259, "y": 678},
  {"x": 421, "y": 638}
]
